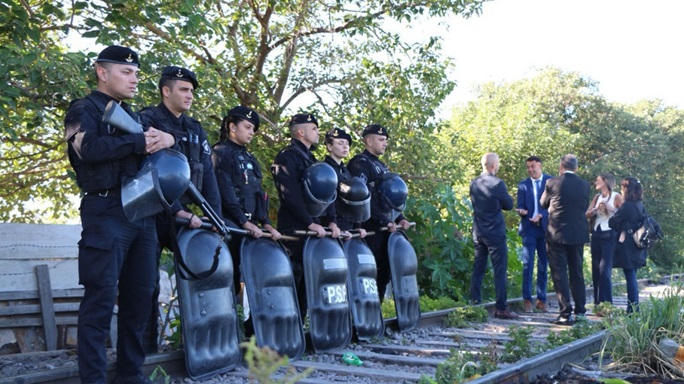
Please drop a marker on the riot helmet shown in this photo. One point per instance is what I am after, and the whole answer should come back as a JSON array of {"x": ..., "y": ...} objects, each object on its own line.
[
  {"x": 355, "y": 200},
  {"x": 163, "y": 178},
  {"x": 394, "y": 191},
  {"x": 320, "y": 188}
]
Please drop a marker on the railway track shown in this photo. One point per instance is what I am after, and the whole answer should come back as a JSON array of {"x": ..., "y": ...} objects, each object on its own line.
[{"x": 401, "y": 357}]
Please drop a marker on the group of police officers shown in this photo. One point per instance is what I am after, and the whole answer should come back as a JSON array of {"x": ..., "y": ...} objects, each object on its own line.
[{"x": 118, "y": 258}]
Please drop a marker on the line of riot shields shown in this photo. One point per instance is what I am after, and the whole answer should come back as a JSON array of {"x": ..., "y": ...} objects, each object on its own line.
[{"x": 340, "y": 276}]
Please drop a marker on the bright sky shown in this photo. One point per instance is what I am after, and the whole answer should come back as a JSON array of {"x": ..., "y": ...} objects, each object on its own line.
[{"x": 632, "y": 48}]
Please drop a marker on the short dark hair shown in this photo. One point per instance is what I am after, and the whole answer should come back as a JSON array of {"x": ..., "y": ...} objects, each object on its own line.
[
  {"x": 534, "y": 158},
  {"x": 633, "y": 189},
  {"x": 569, "y": 162},
  {"x": 165, "y": 83}
]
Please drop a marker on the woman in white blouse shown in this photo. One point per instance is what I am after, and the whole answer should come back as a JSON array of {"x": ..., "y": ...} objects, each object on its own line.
[{"x": 601, "y": 209}]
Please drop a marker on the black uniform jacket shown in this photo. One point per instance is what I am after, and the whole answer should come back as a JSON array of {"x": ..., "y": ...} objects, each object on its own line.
[
  {"x": 369, "y": 167},
  {"x": 102, "y": 155},
  {"x": 191, "y": 140},
  {"x": 288, "y": 171},
  {"x": 239, "y": 180}
]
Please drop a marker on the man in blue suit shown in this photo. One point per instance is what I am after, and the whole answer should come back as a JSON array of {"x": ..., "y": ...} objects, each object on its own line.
[
  {"x": 533, "y": 222},
  {"x": 489, "y": 197}
]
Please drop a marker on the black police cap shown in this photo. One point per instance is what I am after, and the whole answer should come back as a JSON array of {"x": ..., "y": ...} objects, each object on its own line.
[
  {"x": 375, "y": 129},
  {"x": 177, "y": 73},
  {"x": 118, "y": 55},
  {"x": 338, "y": 133},
  {"x": 303, "y": 118},
  {"x": 245, "y": 113}
]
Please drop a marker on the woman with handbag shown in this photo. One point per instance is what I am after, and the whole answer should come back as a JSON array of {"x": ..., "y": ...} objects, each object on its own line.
[
  {"x": 628, "y": 256},
  {"x": 601, "y": 209}
]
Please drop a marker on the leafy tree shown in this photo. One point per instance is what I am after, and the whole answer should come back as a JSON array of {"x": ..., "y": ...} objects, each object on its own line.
[
  {"x": 645, "y": 141},
  {"x": 555, "y": 113},
  {"x": 337, "y": 59}
]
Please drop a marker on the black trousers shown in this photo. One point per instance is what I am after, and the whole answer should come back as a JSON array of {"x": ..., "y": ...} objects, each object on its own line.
[
  {"x": 115, "y": 257},
  {"x": 566, "y": 261}
]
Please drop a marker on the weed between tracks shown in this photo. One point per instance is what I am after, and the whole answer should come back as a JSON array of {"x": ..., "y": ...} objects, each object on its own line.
[{"x": 464, "y": 365}]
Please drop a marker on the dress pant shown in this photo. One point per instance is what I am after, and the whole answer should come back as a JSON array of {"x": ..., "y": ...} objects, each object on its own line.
[
  {"x": 496, "y": 248},
  {"x": 602, "y": 250},
  {"x": 115, "y": 257},
  {"x": 534, "y": 241},
  {"x": 566, "y": 261}
]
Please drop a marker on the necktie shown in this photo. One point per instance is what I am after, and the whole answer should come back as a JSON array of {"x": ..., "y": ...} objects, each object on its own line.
[{"x": 537, "y": 187}]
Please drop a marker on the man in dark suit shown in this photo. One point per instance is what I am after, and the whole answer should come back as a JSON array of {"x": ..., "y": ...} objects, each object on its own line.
[
  {"x": 567, "y": 198},
  {"x": 489, "y": 197},
  {"x": 533, "y": 222}
]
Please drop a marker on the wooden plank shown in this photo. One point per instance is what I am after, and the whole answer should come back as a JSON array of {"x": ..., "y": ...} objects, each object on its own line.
[
  {"x": 19, "y": 275},
  {"x": 34, "y": 309},
  {"x": 56, "y": 294},
  {"x": 24, "y": 322},
  {"x": 47, "y": 308},
  {"x": 38, "y": 241}
]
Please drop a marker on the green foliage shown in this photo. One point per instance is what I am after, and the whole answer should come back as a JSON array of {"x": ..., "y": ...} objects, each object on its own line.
[
  {"x": 264, "y": 362},
  {"x": 519, "y": 347},
  {"x": 428, "y": 304},
  {"x": 388, "y": 309},
  {"x": 462, "y": 317},
  {"x": 277, "y": 57},
  {"x": 556, "y": 112},
  {"x": 160, "y": 376},
  {"x": 580, "y": 330},
  {"x": 462, "y": 366},
  {"x": 643, "y": 140},
  {"x": 633, "y": 337},
  {"x": 442, "y": 242},
  {"x": 175, "y": 340}
]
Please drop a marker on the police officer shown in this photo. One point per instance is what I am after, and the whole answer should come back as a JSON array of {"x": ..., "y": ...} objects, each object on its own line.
[
  {"x": 338, "y": 142},
  {"x": 239, "y": 178},
  {"x": 115, "y": 255},
  {"x": 368, "y": 166},
  {"x": 288, "y": 170},
  {"x": 176, "y": 88}
]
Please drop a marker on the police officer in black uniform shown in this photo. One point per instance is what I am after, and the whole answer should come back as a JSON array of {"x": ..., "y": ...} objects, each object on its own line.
[
  {"x": 239, "y": 177},
  {"x": 288, "y": 170},
  {"x": 338, "y": 142},
  {"x": 115, "y": 255},
  {"x": 176, "y": 89},
  {"x": 368, "y": 166}
]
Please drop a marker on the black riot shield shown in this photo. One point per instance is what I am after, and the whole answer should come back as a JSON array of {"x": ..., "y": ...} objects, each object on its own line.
[
  {"x": 207, "y": 307},
  {"x": 326, "y": 273},
  {"x": 270, "y": 287},
  {"x": 403, "y": 265},
  {"x": 363, "y": 290}
]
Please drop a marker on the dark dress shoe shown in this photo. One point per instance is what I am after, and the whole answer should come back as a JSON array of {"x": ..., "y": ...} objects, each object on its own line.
[
  {"x": 561, "y": 320},
  {"x": 506, "y": 314}
]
